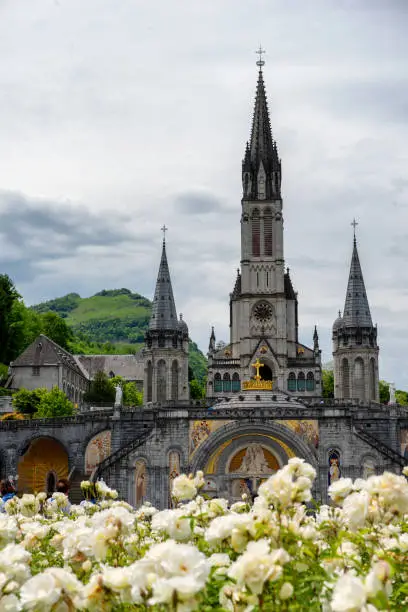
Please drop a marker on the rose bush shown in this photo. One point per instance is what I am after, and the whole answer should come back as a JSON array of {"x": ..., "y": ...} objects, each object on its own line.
[{"x": 279, "y": 552}]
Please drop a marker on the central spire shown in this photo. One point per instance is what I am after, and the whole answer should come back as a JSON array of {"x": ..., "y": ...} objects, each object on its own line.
[{"x": 261, "y": 167}]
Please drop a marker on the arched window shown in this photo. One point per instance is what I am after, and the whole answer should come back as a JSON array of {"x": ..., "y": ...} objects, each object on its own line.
[
  {"x": 174, "y": 380},
  {"x": 256, "y": 234},
  {"x": 359, "y": 379},
  {"x": 236, "y": 383},
  {"x": 301, "y": 382},
  {"x": 268, "y": 232},
  {"x": 310, "y": 382},
  {"x": 161, "y": 381},
  {"x": 373, "y": 394},
  {"x": 345, "y": 378},
  {"x": 226, "y": 383},
  {"x": 149, "y": 381},
  {"x": 292, "y": 381},
  {"x": 217, "y": 383}
]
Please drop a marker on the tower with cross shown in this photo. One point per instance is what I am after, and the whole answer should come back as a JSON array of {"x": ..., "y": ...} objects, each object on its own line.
[
  {"x": 355, "y": 347},
  {"x": 263, "y": 303},
  {"x": 166, "y": 342}
]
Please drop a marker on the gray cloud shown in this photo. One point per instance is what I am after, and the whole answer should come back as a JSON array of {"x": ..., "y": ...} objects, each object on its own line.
[{"x": 196, "y": 203}]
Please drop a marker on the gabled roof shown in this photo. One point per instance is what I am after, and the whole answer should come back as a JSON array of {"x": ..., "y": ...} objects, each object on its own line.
[
  {"x": 44, "y": 351},
  {"x": 129, "y": 367},
  {"x": 356, "y": 309},
  {"x": 164, "y": 314}
]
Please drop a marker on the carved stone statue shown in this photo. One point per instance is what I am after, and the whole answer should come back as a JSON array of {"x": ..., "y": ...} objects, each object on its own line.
[
  {"x": 254, "y": 461},
  {"x": 392, "y": 393},
  {"x": 118, "y": 396}
]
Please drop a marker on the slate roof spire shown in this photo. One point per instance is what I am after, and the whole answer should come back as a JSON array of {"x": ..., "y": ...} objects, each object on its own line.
[
  {"x": 356, "y": 309},
  {"x": 164, "y": 314},
  {"x": 261, "y": 153}
]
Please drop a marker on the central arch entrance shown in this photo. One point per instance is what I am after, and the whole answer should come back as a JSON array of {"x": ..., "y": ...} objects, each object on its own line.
[{"x": 240, "y": 455}]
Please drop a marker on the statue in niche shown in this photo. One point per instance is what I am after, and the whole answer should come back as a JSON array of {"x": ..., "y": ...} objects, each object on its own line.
[
  {"x": 334, "y": 467},
  {"x": 254, "y": 461},
  {"x": 368, "y": 468}
]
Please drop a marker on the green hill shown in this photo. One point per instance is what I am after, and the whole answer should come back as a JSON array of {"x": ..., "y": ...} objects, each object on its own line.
[{"x": 111, "y": 321}]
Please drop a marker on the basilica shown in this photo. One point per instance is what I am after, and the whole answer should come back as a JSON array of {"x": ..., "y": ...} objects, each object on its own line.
[{"x": 264, "y": 400}]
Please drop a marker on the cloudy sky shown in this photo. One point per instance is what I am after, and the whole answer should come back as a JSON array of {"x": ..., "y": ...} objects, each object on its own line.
[{"x": 117, "y": 117}]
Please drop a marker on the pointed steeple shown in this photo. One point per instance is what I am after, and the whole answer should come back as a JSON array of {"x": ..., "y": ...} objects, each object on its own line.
[
  {"x": 211, "y": 346},
  {"x": 315, "y": 340},
  {"x": 261, "y": 167},
  {"x": 164, "y": 314},
  {"x": 356, "y": 309}
]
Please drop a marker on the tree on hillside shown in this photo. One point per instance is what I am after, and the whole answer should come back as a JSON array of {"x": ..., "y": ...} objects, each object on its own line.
[
  {"x": 56, "y": 328},
  {"x": 27, "y": 402},
  {"x": 3, "y": 373},
  {"x": 328, "y": 383},
  {"x": 401, "y": 397},
  {"x": 384, "y": 392},
  {"x": 8, "y": 296},
  {"x": 197, "y": 389},
  {"x": 54, "y": 404},
  {"x": 102, "y": 390}
]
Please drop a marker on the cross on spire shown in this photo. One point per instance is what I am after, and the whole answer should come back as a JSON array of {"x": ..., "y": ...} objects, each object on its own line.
[
  {"x": 260, "y": 52},
  {"x": 164, "y": 229},
  {"x": 354, "y": 224}
]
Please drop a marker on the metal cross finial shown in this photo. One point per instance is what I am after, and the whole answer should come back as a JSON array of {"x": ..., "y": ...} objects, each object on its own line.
[
  {"x": 164, "y": 229},
  {"x": 260, "y": 52},
  {"x": 354, "y": 224}
]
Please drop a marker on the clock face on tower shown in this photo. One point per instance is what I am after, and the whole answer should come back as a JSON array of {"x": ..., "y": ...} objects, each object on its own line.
[{"x": 263, "y": 312}]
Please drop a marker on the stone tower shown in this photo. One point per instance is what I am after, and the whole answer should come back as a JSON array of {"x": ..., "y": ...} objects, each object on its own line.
[
  {"x": 263, "y": 303},
  {"x": 166, "y": 344},
  {"x": 355, "y": 348}
]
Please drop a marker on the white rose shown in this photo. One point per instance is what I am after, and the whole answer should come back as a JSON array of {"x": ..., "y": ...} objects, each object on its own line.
[
  {"x": 349, "y": 594},
  {"x": 286, "y": 591},
  {"x": 40, "y": 592},
  {"x": 339, "y": 489},
  {"x": 183, "y": 488}
]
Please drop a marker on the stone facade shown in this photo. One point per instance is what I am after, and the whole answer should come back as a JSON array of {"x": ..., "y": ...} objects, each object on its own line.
[{"x": 161, "y": 439}]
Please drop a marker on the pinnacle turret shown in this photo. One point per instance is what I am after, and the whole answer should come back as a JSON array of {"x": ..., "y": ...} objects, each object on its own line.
[
  {"x": 164, "y": 314},
  {"x": 356, "y": 309}
]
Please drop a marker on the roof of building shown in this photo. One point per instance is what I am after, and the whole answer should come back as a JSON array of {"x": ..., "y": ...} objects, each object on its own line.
[
  {"x": 44, "y": 351},
  {"x": 164, "y": 314},
  {"x": 356, "y": 309},
  {"x": 129, "y": 367}
]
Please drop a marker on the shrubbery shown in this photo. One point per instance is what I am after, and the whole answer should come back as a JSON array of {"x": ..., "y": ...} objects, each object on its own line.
[{"x": 272, "y": 554}]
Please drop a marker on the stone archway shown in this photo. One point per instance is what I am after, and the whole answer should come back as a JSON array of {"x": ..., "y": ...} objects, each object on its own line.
[
  {"x": 223, "y": 454},
  {"x": 42, "y": 457}
]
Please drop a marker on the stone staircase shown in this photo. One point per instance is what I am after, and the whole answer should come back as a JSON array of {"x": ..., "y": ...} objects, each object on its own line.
[
  {"x": 75, "y": 478},
  {"x": 122, "y": 452},
  {"x": 384, "y": 449}
]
